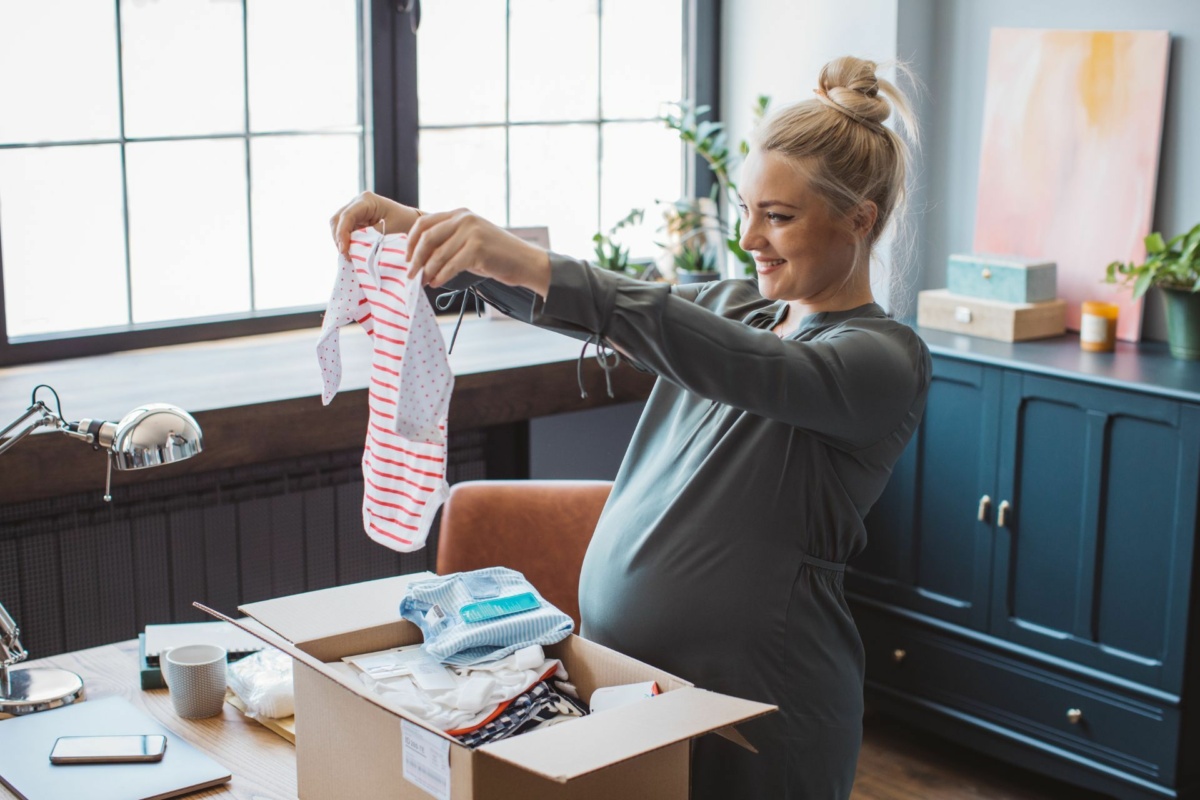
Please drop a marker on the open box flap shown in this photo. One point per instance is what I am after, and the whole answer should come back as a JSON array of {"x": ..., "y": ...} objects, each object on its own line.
[
  {"x": 269, "y": 636},
  {"x": 334, "y": 611},
  {"x": 610, "y": 737}
]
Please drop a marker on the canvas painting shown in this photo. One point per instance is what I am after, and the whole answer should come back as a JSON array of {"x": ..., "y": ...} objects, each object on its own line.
[{"x": 1069, "y": 163}]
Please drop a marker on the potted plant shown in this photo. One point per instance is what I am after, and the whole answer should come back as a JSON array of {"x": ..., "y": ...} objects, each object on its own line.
[
  {"x": 709, "y": 141},
  {"x": 1174, "y": 267},
  {"x": 689, "y": 226},
  {"x": 614, "y": 256}
]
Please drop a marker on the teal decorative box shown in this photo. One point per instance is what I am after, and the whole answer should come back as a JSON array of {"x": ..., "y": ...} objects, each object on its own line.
[{"x": 1012, "y": 279}]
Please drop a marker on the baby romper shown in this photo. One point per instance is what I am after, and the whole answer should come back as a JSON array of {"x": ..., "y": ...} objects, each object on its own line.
[{"x": 404, "y": 460}]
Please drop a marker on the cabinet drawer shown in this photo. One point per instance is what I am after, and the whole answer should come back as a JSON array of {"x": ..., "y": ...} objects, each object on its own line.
[{"x": 1120, "y": 731}]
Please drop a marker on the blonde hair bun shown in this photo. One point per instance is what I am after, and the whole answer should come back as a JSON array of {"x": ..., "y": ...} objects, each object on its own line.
[{"x": 850, "y": 84}]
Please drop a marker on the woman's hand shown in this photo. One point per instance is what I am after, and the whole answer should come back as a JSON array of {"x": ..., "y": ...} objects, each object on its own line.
[
  {"x": 449, "y": 242},
  {"x": 370, "y": 209}
]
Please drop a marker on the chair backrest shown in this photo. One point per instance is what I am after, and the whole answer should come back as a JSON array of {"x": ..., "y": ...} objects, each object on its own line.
[{"x": 539, "y": 528}]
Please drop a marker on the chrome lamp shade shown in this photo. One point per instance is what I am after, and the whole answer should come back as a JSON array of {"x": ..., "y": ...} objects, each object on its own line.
[{"x": 154, "y": 434}]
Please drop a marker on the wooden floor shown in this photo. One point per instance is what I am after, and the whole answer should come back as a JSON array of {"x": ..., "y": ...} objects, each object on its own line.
[{"x": 900, "y": 763}]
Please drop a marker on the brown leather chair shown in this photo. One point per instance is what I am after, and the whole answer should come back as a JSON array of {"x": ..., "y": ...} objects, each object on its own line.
[{"x": 539, "y": 528}]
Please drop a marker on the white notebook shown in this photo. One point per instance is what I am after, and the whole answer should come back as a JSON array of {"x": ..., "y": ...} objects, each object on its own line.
[{"x": 235, "y": 640}]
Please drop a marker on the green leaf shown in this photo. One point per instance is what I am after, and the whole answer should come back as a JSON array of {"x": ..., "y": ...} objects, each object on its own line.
[
  {"x": 1154, "y": 243},
  {"x": 704, "y": 130},
  {"x": 1188, "y": 259},
  {"x": 1143, "y": 284}
]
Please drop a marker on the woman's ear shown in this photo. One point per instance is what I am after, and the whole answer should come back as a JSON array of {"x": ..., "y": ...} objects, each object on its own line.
[{"x": 862, "y": 218}]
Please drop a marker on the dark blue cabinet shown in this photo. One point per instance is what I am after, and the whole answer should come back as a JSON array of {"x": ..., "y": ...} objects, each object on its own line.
[
  {"x": 927, "y": 548},
  {"x": 1028, "y": 583},
  {"x": 1094, "y": 563}
]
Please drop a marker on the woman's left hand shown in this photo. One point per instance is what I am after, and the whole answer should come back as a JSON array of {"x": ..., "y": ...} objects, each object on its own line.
[{"x": 449, "y": 242}]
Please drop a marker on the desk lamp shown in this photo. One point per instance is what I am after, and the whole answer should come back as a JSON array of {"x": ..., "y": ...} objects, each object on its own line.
[{"x": 147, "y": 436}]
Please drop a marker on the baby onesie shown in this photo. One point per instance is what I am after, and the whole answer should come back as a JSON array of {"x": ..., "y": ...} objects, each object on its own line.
[{"x": 404, "y": 460}]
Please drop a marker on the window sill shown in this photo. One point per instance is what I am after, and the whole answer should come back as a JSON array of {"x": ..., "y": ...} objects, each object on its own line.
[{"x": 258, "y": 398}]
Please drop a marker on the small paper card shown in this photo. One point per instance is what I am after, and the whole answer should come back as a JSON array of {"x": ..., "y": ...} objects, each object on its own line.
[{"x": 429, "y": 673}]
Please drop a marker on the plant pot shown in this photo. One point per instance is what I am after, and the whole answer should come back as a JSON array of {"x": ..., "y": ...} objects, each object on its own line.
[
  {"x": 1183, "y": 322},
  {"x": 683, "y": 276}
]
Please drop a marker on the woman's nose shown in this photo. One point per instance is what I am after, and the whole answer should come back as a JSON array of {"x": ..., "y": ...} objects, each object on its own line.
[{"x": 750, "y": 239}]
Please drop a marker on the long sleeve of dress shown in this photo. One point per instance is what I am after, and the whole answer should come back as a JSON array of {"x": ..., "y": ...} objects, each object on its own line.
[{"x": 831, "y": 386}]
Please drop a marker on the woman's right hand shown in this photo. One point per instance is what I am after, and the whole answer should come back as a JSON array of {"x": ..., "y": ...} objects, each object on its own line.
[{"x": 369, "y": 209}]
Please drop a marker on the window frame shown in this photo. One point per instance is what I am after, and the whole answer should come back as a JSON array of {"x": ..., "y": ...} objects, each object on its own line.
[{"x": 391, "y": 124}]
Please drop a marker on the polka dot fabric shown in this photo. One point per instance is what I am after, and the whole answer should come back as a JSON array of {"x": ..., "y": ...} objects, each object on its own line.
[{"x": 404, "y": 460}]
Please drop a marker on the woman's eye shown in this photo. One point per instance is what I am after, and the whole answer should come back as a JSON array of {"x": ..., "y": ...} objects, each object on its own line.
[{"x": 774, "y": 217}]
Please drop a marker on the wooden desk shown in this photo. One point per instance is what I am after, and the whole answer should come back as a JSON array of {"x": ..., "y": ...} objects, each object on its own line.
[{"x": 262, "y": 763}]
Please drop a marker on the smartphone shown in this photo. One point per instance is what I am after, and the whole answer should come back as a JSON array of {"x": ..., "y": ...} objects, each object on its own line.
[{"x": 108, "y": 749}]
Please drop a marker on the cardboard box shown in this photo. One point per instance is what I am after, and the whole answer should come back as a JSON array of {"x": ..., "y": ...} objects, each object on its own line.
[
  {"x": 1012, "y": 279},
  {"x": 991, "y": 319},
  {"x": 350, "y": 743}
]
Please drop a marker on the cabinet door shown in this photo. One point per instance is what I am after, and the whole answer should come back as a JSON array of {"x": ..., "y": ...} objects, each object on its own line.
[
  {"x": 1094, "y": 562},
  {"x": 926, "y": 548}
]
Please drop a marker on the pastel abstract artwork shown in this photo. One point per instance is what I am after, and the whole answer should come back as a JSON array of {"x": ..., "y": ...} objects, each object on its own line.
[{"x": 1069, "y": 163}]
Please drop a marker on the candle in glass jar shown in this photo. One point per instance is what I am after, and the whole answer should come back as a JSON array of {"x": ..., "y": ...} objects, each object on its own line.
[{"x": 1098, "y": 326}]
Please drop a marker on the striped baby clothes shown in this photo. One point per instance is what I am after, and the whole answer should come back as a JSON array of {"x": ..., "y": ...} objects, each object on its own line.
[
  {"x": 404, "y": 460},
  {"x": 435, "y": 604}
]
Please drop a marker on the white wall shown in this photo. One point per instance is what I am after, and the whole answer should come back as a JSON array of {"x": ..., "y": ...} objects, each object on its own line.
[{"x": 777, "y": 48}]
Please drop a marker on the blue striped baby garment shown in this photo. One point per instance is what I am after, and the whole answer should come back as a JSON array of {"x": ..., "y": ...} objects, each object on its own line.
[{"x": 434, "y": 605}]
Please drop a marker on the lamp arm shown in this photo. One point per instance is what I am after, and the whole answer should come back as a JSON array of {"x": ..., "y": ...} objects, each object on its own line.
[
  {"x": 10, "y": 641},
  {"x": 47, "y": 419}
]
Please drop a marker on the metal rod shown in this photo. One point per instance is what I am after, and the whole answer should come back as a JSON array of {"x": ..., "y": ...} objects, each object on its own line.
[{"x": 47, "y": 418}]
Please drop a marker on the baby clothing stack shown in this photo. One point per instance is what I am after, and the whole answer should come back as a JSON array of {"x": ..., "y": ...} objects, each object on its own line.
[{"x": 494, "y": 680}]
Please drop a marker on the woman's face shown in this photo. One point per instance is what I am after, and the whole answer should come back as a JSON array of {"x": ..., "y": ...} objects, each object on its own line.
[{"x": 802, "y": 250}]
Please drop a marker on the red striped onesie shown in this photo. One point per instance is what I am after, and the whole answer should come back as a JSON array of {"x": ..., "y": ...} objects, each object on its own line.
[{"x": 404, "y": 461}]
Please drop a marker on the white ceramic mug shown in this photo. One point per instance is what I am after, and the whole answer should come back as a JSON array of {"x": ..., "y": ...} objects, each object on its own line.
[{"x": 195, "y": 675}]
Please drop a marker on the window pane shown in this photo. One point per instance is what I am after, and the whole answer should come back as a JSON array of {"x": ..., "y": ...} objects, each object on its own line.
[
  {"x": 303, "y": 64},
  {"x": 553, "y": 60},
  {"x": 643, "y": 56},
  {"x": 297, "y": 183},
  {"x": 463, "y": 169},
  {"x": 554, "y": 183},
  {"x": 62, "y": 274},
  {"x": 182, "y": 66},
  {"x": 188, "y": 245},
  {"x": 453, "y": 89},
  {"x": 642, "y": 166},
  {"x": 58, "y": 71}
]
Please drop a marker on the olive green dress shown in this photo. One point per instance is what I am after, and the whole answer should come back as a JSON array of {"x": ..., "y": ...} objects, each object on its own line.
[{"x": 721, "y": 551}]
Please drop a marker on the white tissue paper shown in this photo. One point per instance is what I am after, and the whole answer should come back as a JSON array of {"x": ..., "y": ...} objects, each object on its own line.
[{"x": 264, "y": 683}]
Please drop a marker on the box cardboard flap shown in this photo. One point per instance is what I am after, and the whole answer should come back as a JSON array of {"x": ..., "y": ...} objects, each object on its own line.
[
  {"x": 334, "y": 611},
  {"x": 253, "y": 626},
  {"x": 610, "y": 737},
  {"x": 344, "y": 678}
]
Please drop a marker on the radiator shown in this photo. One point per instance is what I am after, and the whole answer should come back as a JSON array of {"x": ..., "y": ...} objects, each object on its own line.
[{"x": 77, "y": 572}]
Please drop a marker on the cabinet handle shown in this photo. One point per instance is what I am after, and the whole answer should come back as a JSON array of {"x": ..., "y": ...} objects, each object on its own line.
[
  {"x": 1074, "y": 716},
  {"x": 985, "y": 505},
  {"x": 898, "y": 655},
  {"x": 1002, "y": 513}
]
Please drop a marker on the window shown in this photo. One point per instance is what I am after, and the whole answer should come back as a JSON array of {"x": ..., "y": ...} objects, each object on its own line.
[
  {"x": 553, "y": 119},
  {"x": 169, "y": 175}
]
